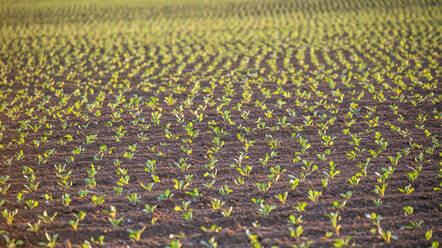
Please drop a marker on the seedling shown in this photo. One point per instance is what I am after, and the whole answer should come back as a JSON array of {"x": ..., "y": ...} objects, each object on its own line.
[
  {"x": 295, "y": 220},
  {"x": 194, "y": 194},
  {"x": 47, "y": 218},
  {"x": 213, "y": 228},
  {"x": 165, "y": 195},
  {"x": 83, "y": 193},
  {"x": 429, "y": 234},
  {"x": 334, "y": 218},
  {"x": 265, "y": 209},
  {"x": 225, "y": 190},
  {"x": 380, "y": 189},
  {"x": 52, "y": 240},
  {"x": 210, "y": 244},
  {"x": 414, "y": 225},
  {"x": 115, "y": 222},
  {"x": 282, "y": 197},
  {"x": 376, "y": 220},
  {"x": 343, "y": 242},
  {"x": 301, "y": 207},
  {"x": 97, "y": 200},
  {"x": 314, "y": 195},
  {"x": 296, "y": 232},
  {"x": 276, "y": 173},
  {"x": 133, "y": 198},
  {"x": 30, "y": 204},
  {"x": 407, "y": 189},
  {"x": 12, "y": 243},
  {"x": 226, "y": 212},
  {"x": 147, "y": 187},
  {"x": 148, "y": 208},
  {"x": 294, "y": 182},
  {"x": 66, "y": 199},
  {"x": 253, "y": 239},
  {"x": 216, "y": 204},
  {"x": 78, "y": 217},
  {"x": 180, "y": 184},
  {"x": 9, "y": 216},
  {"x": 135, "y": 234},
  {"x": 33, "y": 227}
]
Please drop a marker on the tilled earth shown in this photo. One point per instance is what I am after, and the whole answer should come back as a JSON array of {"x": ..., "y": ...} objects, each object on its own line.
[{"x": 229, "y": 117}]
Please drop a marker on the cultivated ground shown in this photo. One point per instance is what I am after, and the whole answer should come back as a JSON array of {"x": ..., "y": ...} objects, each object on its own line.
[{"x": 197, "y": 123}]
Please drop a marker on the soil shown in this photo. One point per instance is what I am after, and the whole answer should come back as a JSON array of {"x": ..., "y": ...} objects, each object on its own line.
[
  {"x": 305, "y": 84},
  {"x": 272, "y": 229}
]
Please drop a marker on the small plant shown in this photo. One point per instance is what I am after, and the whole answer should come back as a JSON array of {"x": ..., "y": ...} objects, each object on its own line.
[
  {"x": 186, "y": 212},
  {"x": 429, "y": 234},
  {"x": 377, "y": 202},
  {"x": 83, "y": 193},
  {"x": 213, "y": 228},
  {"x": 301, "y": 207},
  {"x": 30, "y": 204},
  {"x": 216, "y": 204},
  {"x": 9, "y": 216},
  {"x": 296, "y": 232},
  {"x": 343, "y": 242},
  {"x": 295, "y": 220},
  {"x": 66, "y": 199},
  {"x": 136, "y": 234},
  {"x": 314, "y": 195},
  {"x": 414, "y": 225},
  {"x": 12, "y": 243},
  {"x": 294, "y": 182},
  {"x": 33, "y": 227},
  {"x": 174, "y": 244},
  {"x": 408, "y": 210},
  {"x": 282, "y": 197},
  {"x": 276, "y": 173},
  {"x": 265, "y": 209},
  {"x": 148, "y": 208},
  {"x": 226, "y": 212},
  {"x": 115, "y": 222},
  {"x": 99, "y": 240},
  {"x": 407, "y": 189},
  {"x": 97, "y": 200},
  {"x": 194, "y": 194},
  {"x": 180, "y": 184},
  {"x": 253, "y": 239},
  {"x": 133, "y": 199},
  {"x": 147, "y": 187},
  {"x": 225, "y": 190},
  {"x": 78, "y": 217},
  {"x": 52, "y": 240},
  {"x": 376, "y": 220},
  {"x": 210, "y": 244},
  {"x": 182, "y": 164},
  {"x": 334, "y": 218},
  {"x": 47, "y": 218},
  {"x": 354, "y": 180},
  {"x": 380, "y": 189}
]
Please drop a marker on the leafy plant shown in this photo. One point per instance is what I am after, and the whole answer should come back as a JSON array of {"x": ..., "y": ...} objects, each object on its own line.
[
  {"x": 52, "y": 240},
  {"x": 9, "y": 216},
  {"x": 133, "y": 198},
  {"x": 265, "y": 209},
  {"x": 136, "y": 234},
  {"x": 314, "y": 195},
  {"x": 12, "y": 243}
]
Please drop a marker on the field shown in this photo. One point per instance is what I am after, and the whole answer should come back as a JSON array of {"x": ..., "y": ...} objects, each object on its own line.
[{"x": 231, "y": 123}]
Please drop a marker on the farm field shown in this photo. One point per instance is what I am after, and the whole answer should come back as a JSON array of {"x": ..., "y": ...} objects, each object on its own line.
[{"x": 198, "y": 123}]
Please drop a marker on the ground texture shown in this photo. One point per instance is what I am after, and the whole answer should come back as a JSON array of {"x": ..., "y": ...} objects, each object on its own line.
[{"x": 220, "y": 123}]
